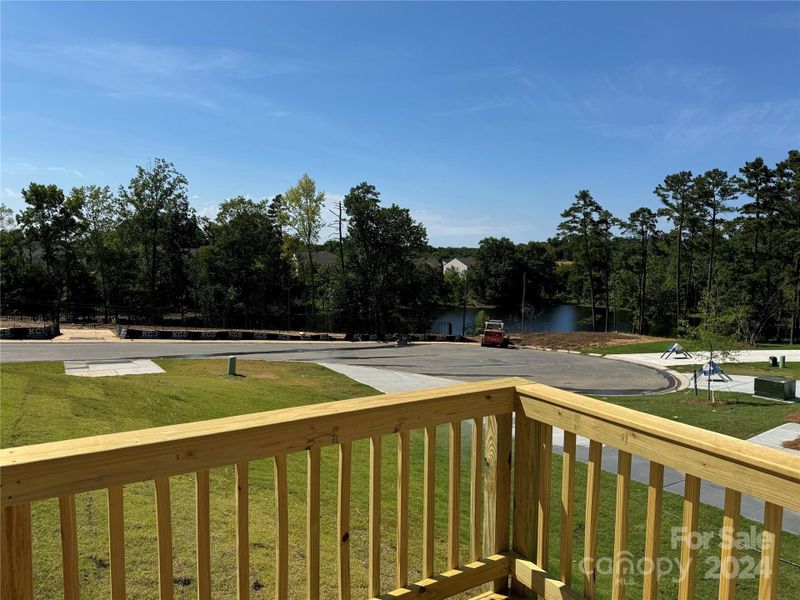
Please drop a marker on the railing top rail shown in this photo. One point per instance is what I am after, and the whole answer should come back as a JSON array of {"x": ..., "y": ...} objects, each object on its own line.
[
  {"x": 71, "y": 466},
  {"x": 739, "y": 464}
]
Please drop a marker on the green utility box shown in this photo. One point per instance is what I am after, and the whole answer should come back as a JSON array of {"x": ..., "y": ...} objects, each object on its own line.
[{"x": 776, "y": 388}]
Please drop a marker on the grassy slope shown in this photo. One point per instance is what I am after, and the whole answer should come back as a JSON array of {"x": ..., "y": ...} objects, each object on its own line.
[{"x": 39, "y": 403}]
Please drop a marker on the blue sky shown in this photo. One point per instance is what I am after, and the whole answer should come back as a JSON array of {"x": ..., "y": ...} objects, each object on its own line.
[{"x": 483, "y": 119}]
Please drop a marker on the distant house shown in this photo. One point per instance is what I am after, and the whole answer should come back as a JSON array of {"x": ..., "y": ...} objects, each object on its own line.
[
  {"x": 461, "y": 265},
  {"x": 430, "y": 261}
]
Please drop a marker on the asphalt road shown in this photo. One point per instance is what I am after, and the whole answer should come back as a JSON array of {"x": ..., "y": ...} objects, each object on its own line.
[{"x": 466, "y": 362}]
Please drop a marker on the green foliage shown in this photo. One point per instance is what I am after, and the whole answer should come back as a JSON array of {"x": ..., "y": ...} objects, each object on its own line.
[{"x": 480, "y": 321}]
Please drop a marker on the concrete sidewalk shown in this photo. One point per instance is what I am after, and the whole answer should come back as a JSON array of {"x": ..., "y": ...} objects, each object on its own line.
[
  {"x": 710, "y": 493},
  {"x": 653, "y": 359}
]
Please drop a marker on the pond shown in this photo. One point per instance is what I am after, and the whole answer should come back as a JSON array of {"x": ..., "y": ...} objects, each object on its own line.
[{"x": 553, "y": 318}]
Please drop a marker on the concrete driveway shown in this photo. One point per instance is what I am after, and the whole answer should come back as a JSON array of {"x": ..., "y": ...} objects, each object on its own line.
[{"x": 464, "y": 362}]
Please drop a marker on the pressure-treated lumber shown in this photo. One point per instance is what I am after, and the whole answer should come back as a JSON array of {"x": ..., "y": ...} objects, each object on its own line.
[
  {"x": 523, "y": 531},
  {"x": 454, "y": 581},
  {"x": 497, "y": 490},
  {"x": 116, "y": 542},
  {"x": 535, "y": 578},
  {"x": 476, "y": 490},
  {"x": 69, "y": 546},
  {"x": 730, "y": 527},
  {"x": 592, "y": 518},
  {"x": 374, "y": 575},
  {"x": 652, "y": 542},
  {"x": 242, "y": 533},
  {"x": 203, "y": 529},
  {"x": 343, "y": 519},
  {"x": 543, "y": 475},
  {"x": 403, "y": 442},
  {"x": 312, "y": 519},
  {"x": 567, "y": 507},
  {"x": 164, "y": 535},
  {"x": 73, "y": 466},
  {"x": 454, "y": 496},
  {"x": 691, "y": 512},
  {"x": 281, "y": 529},
  {"x": 428, "y": 502},
  {"x": 16, "y": 565},
  {"x": 746, "y": 467},
  {"x": 619, "y": 570},
  {"x": 770, "y": 552}
]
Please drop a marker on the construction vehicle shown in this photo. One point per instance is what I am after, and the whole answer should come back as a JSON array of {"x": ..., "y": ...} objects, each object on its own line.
[{"x": 494, "y": 334}]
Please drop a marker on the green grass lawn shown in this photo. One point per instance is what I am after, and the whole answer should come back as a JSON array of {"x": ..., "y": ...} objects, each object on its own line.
[
  {"x": 689, "y": 345},
  {"x": 792, "y": 370},
  {"x": 39, "y": 403},
  {"x": 735, "y": 414}
]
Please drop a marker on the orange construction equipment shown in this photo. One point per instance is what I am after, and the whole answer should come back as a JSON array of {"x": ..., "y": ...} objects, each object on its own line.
[{"x": 494, "y": 335}]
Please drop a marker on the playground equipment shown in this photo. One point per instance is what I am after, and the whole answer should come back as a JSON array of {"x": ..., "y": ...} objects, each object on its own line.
[
  {"x": 676, "y": 349},
  {"x": 710, "y": 370}
]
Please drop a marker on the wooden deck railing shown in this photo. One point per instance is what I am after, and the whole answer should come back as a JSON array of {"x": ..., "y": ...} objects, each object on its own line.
[{"x": 508, "y": 534}]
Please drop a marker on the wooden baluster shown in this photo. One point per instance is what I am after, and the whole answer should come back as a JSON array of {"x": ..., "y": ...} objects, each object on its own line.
[
  {"x": 116, "y": 542},
  {"x": 374, "y": 516},
  {"x": 619, "y": 570},
  {"x": 454, "y": 501},
  {"x": 343, "y": 520},
  {"x": 313, "y": 513},
  {"x": 429, "y": 502},
  {"x": 242, "y": 533},
  {"x": 282, "y": 529},
  {"x": 592, "y": 517},
  {"x": 203, "y": 517},
  {"x": 403, "y": 440},
  {"x": 164, "y": 534},
  {"x": 652, "y": 542},
  {"x": 69, "y": 546},
  {"x": 730, "y": 528},
  {"x": 16, "y": 554},
  {"x": 497, "y": 489},
  {"x": 476, "y": 492},
  {"x": 770, "y": 552},
  {"x": 691, "y": 511},
  {"x": 544, "y": 466},
  {"x": 567, "y": 507},
  {"x": 524, "y": 530}
]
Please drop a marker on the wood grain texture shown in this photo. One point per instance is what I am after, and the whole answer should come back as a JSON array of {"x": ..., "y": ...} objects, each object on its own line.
[
  {"x": 116, "y": 542},
  {"x": 16, "y": 555},
  {"x": 313, "y": 524},
  {"x": 730, "y": 528},
  {"x": 343, "y": 519},
  {"x": 533, "y": 577},
  {"x": 652, "y": 542},
  {"x": 203, "y": 529},
  {"x": 454, "y": 497},
  {"x": 770, "y": 552},
  {"x": 497, "y": 490},
  {"x": 593, "y": 471},
  {"x": 242, "y": 532},
  {"x": 429, "y": 501},
  {"x": 476, "y": 491},
  {"x": 620, "y": 572},
  {"x": 374, "y": 574},
  {"x": 164, "y": 535},
  {"x": 403, "y": 453},
  {"x": 73, "y": 466},
  {"x": 69, "y": 547},
  {"x": 544, "y": 477},
  {"x": 281, "y": 529},
  {"x": 524, "y": 531},
  {"x": 756, "y": 470},
  {"x": 567, "y": 507},
  {"x": 691, "y": 512}
]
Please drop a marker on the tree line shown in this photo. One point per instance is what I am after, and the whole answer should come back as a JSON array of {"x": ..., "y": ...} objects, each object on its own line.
[{"x": 717, "y": 246}]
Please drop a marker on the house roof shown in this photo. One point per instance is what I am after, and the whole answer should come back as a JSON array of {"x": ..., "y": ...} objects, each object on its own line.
[{"x": 464, "y": 260}]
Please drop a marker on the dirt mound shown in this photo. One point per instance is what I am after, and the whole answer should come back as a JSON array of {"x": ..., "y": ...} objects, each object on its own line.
[{"x": 581, "y": 340}]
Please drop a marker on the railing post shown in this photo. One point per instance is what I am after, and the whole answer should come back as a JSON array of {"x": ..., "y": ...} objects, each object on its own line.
[
  {"x": 497, "y": 489},
  {"x": 16, "y": 553},
  {"x": 524, "y": 508}
]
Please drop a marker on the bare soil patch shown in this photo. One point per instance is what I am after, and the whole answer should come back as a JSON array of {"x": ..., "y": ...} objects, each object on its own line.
[
  {"x": 793, "y": 417},
  {"x": 581, "y": 340},
  {"x": 793, "y": 445}
]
